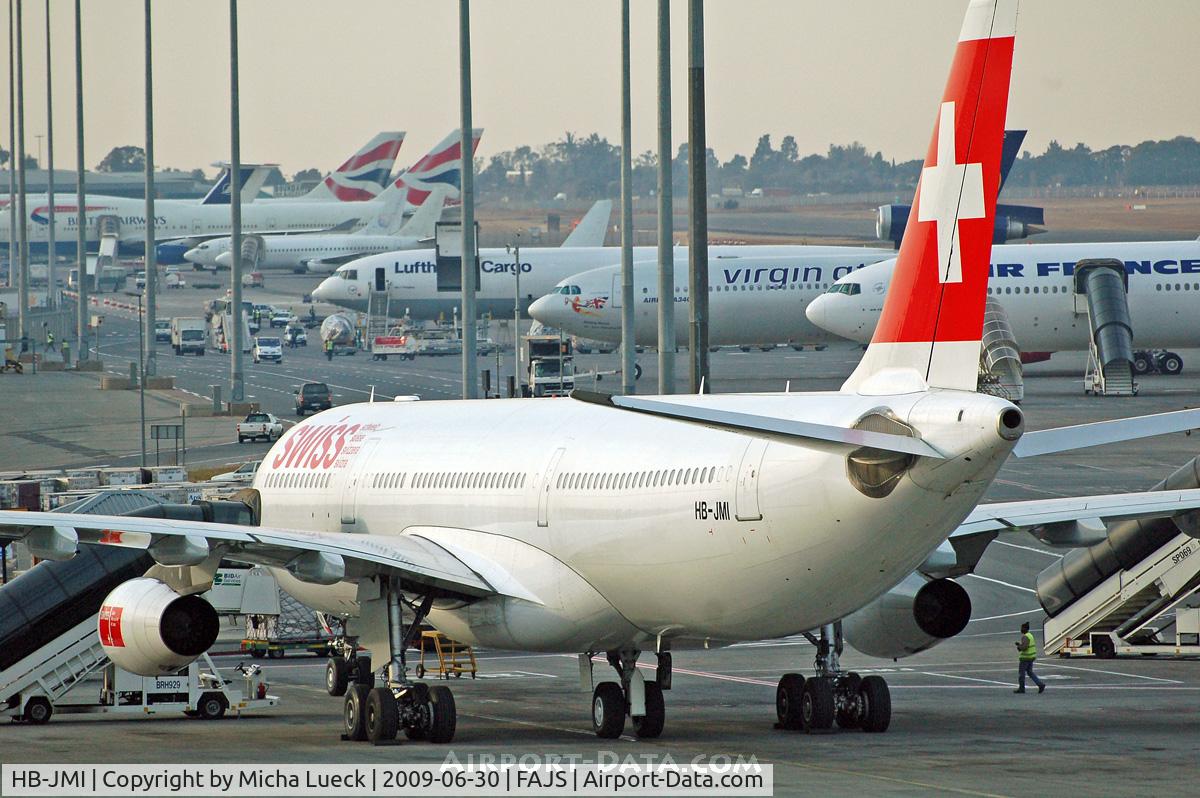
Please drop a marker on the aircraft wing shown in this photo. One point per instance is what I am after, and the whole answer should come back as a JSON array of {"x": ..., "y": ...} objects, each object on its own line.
[
  {"x": 1057, "y": 522},
  {"x": 318, "y": 557},
  {"x": 752, "y": 424}
]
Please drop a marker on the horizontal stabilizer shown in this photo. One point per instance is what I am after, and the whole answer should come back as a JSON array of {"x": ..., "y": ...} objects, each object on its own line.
[
  {"x": 747, "y": 422},
  {"x": 1081, "y": 436}
]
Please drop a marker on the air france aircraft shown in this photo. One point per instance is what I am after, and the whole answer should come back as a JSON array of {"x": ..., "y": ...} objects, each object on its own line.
[
  {"x": 188, "y": 221},
  {"x": 692, "y": 522},
  {"x": 388, "y": 232},
  {"x": 1035, "y": 285},
  {"x": 742, "y": 283}
]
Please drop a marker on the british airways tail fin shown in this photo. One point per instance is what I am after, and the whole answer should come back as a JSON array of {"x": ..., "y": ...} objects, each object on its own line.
[
  {"x": 932, "y": 320},
  {"x": 592, "y": 228},
  {"x": 441, "y": 166},
  {"x": 363, "y": 176}
]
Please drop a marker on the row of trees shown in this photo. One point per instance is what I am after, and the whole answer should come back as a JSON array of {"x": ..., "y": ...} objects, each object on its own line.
[{"x": 588, "y": 167}]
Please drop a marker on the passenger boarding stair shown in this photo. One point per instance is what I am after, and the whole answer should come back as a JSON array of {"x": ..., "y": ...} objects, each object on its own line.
[
  {"x": 1102, "y": 294},
  {"x": 377, "y": 316},
  {"x": 1102, "y": 599},
  {"x": 999, "y": 358},
  {"x": 252, "y": 250}
]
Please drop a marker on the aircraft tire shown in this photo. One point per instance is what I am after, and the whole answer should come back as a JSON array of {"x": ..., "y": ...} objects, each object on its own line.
[
  {"x": 382, "y": 716},
  {"x": 650, "y": 725},
  {"x": 787, "y": 701},
  {"x": 354, "y": 714},
  {"x": 337, "y": 673},
  {"x": 1170, "y": 363},
  {"x": 608, "y": 710},
  {"x": 877, "y": 704},
  {"x": 816, "y": 704},
  {"x": 443, "y": 714}
]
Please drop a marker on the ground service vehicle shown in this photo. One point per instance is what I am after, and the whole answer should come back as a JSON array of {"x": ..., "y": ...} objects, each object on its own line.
[
  {"x": 187, "y": 335},
  {"x": 162, "y": 331},
  {"x": 312, "y": 397},
  {"x": 257, "y": 426},
  {"x": 243, "y": 473},
  {"x": 268, "y": 348},
  {"x": 398, "y": 345},
  {"x": 550, "y": 366}
]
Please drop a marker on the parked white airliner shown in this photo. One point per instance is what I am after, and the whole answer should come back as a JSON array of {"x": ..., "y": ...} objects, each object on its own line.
[
  {"x": 1035, "y": 284},
  {"x": 741, "y": 283},
  {"x": 626, "y": 524},
  {"x": 185, "y": 220},
  {"x": 412, "y": 280}
]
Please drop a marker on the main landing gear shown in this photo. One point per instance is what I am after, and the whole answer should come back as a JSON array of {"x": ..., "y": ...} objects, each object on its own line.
[
  {"x": 633, "y": 696},
  {"x": 1158, "y": 360},
  {"x": 832, "y": 695},
  {"x": 378, "y": 714}
]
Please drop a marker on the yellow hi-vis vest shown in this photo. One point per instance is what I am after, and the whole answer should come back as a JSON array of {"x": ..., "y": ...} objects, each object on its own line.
[{"x": 1029, "y": 652}]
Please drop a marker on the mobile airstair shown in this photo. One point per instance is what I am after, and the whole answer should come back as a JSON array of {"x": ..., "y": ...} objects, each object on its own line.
[
  {"x": 377, "y": 316},
  {"x": 1112, "y": 597},
  {"x": 999, "y": 358},
  {"x": 1102, "y": 295}
]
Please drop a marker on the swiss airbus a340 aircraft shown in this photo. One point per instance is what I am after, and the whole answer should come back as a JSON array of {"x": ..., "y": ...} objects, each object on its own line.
[{"x": 692, "y": 521}]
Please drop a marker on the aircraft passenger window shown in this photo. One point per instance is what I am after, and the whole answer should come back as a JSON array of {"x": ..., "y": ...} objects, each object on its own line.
[
  {"x": 522, "y": 484},
  {"x": 1158, "y": 287},
  {"x": 1176, "y": 286},
  {"x": 560, "y": 480}
]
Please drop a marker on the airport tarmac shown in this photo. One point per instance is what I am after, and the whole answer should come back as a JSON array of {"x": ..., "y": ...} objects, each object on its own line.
[{"x": 1117, "y": 727}]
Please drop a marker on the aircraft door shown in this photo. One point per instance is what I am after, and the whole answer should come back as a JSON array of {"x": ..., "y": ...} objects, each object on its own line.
[
  {"x": 380, "y": 278},
  {"x": 747, "y": 508},
  {"x": 546, "y": 486},
  {"x": 354, "y": 479},
  {"x": 614, "y": 298}
]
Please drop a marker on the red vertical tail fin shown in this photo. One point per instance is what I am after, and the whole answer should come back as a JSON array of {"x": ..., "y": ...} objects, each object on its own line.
[{"x": 932, "y": 319}]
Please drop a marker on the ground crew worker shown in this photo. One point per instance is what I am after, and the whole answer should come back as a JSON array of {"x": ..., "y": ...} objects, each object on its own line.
[
  {"x": 66, "y": 353},
  {"x": 329, "y": 349},
  {"x": 1027, "y": 654},
  {"x": 49, "y": 340}
]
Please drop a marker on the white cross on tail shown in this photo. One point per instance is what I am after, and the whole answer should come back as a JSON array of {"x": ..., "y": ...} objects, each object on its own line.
[{"x": 950, "y": 191}]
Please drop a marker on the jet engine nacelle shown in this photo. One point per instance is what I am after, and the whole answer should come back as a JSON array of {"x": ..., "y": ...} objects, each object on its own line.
[
  {"x": 890, "y": 221},
  {"x": 915, "y": 615},
  {"x": 147, "y": 628}
]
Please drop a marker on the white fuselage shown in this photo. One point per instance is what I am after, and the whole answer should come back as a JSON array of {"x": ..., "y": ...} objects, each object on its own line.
[
  {"x": 181, "y": 219},
  {"x": 319, "y": 253},
  {"x": 1035, "y": 285},
  {"x": 627, "y": 526},
  {"x": 589, "y": 304},
  {"x": 411, "y": 278}
]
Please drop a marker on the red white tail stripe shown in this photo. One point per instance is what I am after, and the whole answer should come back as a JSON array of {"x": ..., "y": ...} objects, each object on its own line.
[{"x": 932, "y": 319}]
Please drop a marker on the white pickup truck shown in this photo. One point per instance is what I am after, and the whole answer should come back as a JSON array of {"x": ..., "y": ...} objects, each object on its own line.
[{"x": 259, "y": 425}]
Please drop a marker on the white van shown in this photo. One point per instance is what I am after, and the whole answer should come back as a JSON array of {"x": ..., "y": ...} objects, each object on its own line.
[{"x": 268, "y": 348}]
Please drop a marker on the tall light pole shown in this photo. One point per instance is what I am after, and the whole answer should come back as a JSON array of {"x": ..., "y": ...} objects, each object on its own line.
[
  {"x": 237, "y": 387},
  {"x": 470, "y": 382},
  {"x": 81, "y": 311},
  {"x": 23, "y": 228},
  {"x": 151, "y": 259},
  {"x": 12, "y": 150},
  {"x": 142, "y": 334},
  {"x": 51, "y": 256},
  {"x": 698, "y": 204},
  {"x": 666, "y": 209},
  {"x": 628, "y": 344},
  {"x": 516, "y": 315}
]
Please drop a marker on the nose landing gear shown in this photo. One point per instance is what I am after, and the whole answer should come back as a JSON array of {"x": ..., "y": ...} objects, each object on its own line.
[
  {"x": 378, "y": 714},
  {"x": 641, "y": 700},
  {"x": 833, "y": 695}
]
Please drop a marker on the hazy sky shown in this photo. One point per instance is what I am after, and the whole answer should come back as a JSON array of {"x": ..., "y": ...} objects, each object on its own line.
[{"x": 319, "y": 78}]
